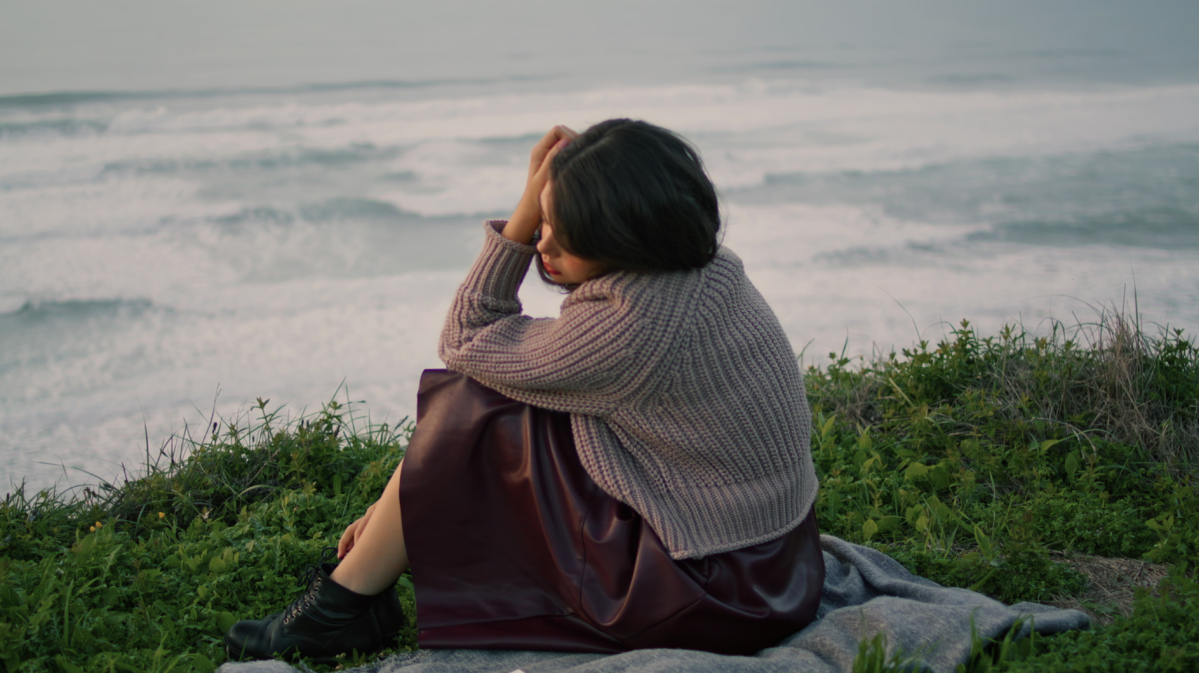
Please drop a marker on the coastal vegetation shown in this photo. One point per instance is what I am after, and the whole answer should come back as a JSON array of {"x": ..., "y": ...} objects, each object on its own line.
[
  {"x": 1060, "y": 467},
  {"x": 1057, "y": 466}
]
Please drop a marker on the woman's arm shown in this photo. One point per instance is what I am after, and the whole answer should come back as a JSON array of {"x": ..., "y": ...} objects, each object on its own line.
[
  {"x": 604, "y": 347},
  {"x": 526, "y": 219}
]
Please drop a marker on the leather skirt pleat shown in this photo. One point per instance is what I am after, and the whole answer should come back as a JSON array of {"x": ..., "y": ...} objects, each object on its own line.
[{"x": 514, "y": 546}]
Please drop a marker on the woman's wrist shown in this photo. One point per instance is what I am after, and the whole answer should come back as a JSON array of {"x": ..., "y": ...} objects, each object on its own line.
[{"x": 521, "y": 226}]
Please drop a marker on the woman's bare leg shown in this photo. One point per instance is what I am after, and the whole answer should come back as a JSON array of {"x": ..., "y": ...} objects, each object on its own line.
[{"x": 378, "y": 555}]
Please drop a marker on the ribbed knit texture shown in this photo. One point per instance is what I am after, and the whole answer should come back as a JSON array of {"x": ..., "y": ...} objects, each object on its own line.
[{"x": 686, "y": 398}]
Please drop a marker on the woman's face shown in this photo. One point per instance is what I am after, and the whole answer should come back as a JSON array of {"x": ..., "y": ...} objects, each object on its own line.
[{"x": 563, "y": 267}]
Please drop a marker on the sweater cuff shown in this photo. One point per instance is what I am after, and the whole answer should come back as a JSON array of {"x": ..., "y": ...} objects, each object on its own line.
[{"x": 501, "y": 265}]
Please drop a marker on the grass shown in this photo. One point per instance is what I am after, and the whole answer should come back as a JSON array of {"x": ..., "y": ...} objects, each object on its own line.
[
  {"x": 1028, "y": 467},
  {"x": 147, "y": 576},
  {"x": 1049, "y": 468}
]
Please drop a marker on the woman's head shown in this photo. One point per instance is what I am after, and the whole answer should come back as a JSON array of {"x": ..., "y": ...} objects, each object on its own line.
[{"x": 631, "y": 196}]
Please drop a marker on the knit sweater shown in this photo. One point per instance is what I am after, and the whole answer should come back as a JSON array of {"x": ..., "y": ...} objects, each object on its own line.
[{"x": 685, "y": 396}]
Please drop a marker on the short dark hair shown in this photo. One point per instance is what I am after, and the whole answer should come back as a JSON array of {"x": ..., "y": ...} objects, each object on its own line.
[{"x": 634, "y": 197}]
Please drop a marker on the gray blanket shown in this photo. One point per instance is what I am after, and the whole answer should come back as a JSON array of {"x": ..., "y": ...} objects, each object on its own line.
[{"x": 866, "y": 593}]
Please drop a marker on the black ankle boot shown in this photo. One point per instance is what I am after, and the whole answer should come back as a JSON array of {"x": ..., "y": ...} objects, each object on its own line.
[{"x": 328, "y": 620}]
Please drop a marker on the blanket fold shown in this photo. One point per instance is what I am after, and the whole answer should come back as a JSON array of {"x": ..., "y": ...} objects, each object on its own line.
[{"x": 866, "y": 593}]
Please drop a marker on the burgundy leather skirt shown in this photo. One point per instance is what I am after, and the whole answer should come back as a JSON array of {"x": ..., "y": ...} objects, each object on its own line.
[{"x": 513, "y": 546}]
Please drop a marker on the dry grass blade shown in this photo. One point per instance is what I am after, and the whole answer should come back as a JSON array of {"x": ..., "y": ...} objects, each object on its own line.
[{"x": 1111, "y": 586}]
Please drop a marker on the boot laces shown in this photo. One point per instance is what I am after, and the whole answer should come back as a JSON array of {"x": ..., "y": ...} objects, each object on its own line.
[{"x": 312, "y": 578}]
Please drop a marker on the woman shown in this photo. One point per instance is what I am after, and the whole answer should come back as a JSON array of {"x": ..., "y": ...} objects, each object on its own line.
[{"x": 634, "y": 473}]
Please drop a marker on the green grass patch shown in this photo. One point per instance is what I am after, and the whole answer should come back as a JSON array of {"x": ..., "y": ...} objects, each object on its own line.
[
  {"x": 148, "y": 575},
  {"x": 978, "y": 462}
]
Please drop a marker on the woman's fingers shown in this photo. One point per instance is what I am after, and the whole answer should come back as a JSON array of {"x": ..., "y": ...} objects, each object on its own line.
[
  {"x": 537, "y": 156},
  {"x": 353, "y": 531},
  {"x": 547, "y": 143},
  {"x": 530, "y": 202},
  {"x": 562, "y": 133},
  {"x": 350, "y": 537},
  {"x": 542, "y": 175},
  {"x": 526, "y": 219},
  {"x": 346, "y": 543}
]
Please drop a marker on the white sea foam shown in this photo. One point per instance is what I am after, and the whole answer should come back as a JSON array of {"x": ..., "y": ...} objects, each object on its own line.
[
  {"x": 747, "y": 132},
  {"x": 918, "y": 282}
]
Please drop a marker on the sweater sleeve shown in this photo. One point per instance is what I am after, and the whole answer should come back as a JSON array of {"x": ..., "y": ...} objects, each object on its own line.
[{"x": 595, "y": 356}]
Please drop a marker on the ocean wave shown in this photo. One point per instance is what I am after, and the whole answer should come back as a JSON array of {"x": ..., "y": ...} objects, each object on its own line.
[
  {"x": 62, "y": 127},
  {"x": 255, "y": 214},
  {"x": 1068, "y": 53},
  {"x": 338, "y": 209},
  {"x": 349, "y": 208},
  {"x": 39, "y": 309},
  {"x": 1063, "y": 188},
  {"x": 74, "y": 98},
  {"x": 970, "y": 80},
  {"x": 400, "y": 176},
  {"x": 1156, "y": 228},
  {"x": 873, "y": 256},
  {"x": 521, "y": 139},
  {"x": 780, "y": 65},
  {"x": 289, "y": 158}
]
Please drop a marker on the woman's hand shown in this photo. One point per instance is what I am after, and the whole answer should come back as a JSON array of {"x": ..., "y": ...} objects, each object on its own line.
[
  {"x": 527, "y": 218},
  {"x": 354, "y": 530}
]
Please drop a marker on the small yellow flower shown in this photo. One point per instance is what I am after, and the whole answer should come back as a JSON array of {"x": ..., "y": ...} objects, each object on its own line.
[
  {"x": 99, "y": 525},
  {"x": 160, "y": 515},
  {"x": 92, "y": 529}
]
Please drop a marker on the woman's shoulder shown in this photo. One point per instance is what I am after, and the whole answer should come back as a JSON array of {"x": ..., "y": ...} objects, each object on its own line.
[
  {"x": 727, "y": 256},
  {"x": 727, "y": 262},
  {"x": 723, "y": 277},
  {"x": 648, "y": 290}
]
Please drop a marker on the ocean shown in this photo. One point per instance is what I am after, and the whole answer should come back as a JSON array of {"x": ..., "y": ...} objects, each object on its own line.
[{"x": 204, "y": 206}]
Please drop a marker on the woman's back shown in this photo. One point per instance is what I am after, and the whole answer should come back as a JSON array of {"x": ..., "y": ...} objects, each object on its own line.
[{"x": 686, "y": 398}]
